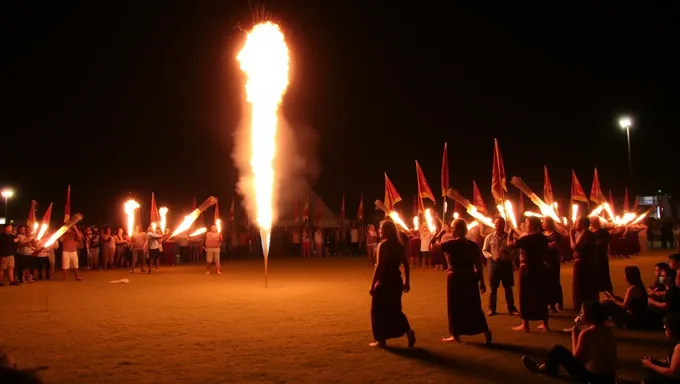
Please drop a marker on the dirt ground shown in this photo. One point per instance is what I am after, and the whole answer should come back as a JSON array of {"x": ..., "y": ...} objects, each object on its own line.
[{"x": 311, "y": 325}]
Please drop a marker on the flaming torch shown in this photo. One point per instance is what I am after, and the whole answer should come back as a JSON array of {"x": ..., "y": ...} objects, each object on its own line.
[
  {"x": 190, "y": 218},
  {"x": 163, "y": 212},
  {"x": 75, "y": 219},
  {"x": 129, "y": 209},
  {"x": 264, "y": 58}
]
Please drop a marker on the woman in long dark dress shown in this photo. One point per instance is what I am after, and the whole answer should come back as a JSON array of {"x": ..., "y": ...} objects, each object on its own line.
[
  {"x": 533, "y": 303},
  {"x": 601, "y": 261},
  {"x": 387, "y": 319},
  {"x": 552, "y": 261},
  {"x": 582, "y": 242},
  {"x": 464, "y": 283}
]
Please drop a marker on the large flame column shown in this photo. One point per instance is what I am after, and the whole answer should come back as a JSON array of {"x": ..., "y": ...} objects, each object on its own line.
[{"x": 265, "y": 60}]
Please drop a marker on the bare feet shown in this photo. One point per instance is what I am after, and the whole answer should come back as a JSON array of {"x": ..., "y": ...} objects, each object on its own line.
[
  {"x": 542, "y": 327},
  {"x": 411, "y": 336},
  {"x": 521, "y": 328},
  {"x": 378, "y": 344},
  {"x": 451, "y": 339}
]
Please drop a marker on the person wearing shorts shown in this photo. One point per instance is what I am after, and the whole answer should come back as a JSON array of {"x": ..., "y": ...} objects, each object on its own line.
[
  {"x": 69, "y": 254},
  {"x": 213, "y": 241}
]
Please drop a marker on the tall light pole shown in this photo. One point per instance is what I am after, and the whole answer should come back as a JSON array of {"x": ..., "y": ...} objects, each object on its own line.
[
  {"x": 7, "y": 194},
  {"x": 626, "y": 123}
]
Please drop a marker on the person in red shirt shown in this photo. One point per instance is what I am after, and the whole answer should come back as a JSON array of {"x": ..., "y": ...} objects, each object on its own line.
[{"x": 69, "y": 255}]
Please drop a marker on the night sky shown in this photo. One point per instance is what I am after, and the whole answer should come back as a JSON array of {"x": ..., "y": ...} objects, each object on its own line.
[{"x": 145, "y": 96}]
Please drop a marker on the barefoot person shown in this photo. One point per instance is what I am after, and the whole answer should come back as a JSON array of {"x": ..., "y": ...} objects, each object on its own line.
[
  {"x": 464, "y": 282},
  {"x": 387, "y": 319},
  {"x": 593, "y": 354},
  {"x": 533, "y": 304},
  {"x": 69, "y": 254},
  {"x": 582, "y": 242}
]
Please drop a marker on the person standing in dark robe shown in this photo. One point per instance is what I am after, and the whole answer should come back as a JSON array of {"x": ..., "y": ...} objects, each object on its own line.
[
  {"x": 464, "y": 282},
  {"x": 582, "y": 242},
  {"x": 601, "y": 262},
  {"x": 552, "y": 261},
  {"x": 387, "y": 319},
  {"x": 533, "y": 304},
  {"x": 499, "y": 258}
]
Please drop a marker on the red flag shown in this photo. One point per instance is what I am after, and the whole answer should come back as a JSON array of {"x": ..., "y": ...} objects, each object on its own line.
[
  {"x": 548, "y": 197},
  {"x": 498, "y": 184},
  {"x": 155, "y": 216},
  {"x": 232, "y": 209},
  {"x": 318, "y": 215},
  {"x": 477, "y": 199},
  {"x": 360, "y": 212},
  {"x": 424, "y": 190},
  {"x": 596, "y": 195},
  {"x": 67, "y": 208},
  {"x": 296, "y": 212},
  {"x": 625, "y": 201},
  {"x": 47, "y": 216},
  {"x": 342, "y": 209},
  {"x": 31, "y": 214},
  {"x": 217, "y": 211},
  {"x": 577, "y": 193},
  {"x": 391, "y": 195},
  {"x": 635, "y": 204},
  {"x": 305, "y": 211},
  {"x": 611, "y": 199},
  {"x": 521, "y": 205},
  {"x": 445, "y": 171}
]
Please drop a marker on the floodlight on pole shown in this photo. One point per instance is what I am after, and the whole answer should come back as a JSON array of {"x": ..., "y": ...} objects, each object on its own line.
[
  {"x": 7, "y": 194},
  {"x": 625, "y": 123}
]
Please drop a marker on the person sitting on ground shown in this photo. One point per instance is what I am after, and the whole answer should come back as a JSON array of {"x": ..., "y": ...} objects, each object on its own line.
[
  {"x": 631, "y": 311},
  {"x": 674, "y": 263},
  {"x": 658, "y": 289},
  {"x": 669, "y": 304},
  {"x": 667, "y": 370},
  {"x": 593, "y": 350}
]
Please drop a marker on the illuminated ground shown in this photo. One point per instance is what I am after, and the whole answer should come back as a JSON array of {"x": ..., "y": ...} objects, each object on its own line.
[{"x": 311, "y": 326}]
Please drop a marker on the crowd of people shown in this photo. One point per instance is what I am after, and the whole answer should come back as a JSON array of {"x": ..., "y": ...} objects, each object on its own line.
[{"x": 536, "y": 254}]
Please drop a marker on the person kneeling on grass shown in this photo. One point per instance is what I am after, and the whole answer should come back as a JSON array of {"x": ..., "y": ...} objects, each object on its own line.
[
  {"x": 593, "y": 350},
  {"x": 667, "y": 370}
]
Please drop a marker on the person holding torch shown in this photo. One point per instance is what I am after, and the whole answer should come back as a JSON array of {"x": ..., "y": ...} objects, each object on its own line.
[{"x": 213, "y": 241}]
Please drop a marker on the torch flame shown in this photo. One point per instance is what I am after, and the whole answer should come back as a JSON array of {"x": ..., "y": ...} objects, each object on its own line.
[
  {"x": 574, "y": 213},
  {"x": 397, "y": 220},
  {"x": 218, "y": 224},
  {"x": 416, "y": 222},
  {"x": 430, "y": 221},
  {"x": 198, "y": 232},
  {"x": 473, "y": 224},
  {"x": 264, "y": 59},
  {"x": 163, "y": 212},
  {"x": 129, "y": 209},
  {"x": 511, "y": 213},
  {"x": 41, "y": 233},
  {"x": 456, "y": 215}
]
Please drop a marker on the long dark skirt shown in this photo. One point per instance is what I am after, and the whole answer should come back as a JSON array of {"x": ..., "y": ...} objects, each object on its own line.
[
  {"x": 584, "y": 284},
  {"x": 603, "y": 277},
  {"x": 387, "y": 319},
  {"x": 533, "y": 303},
  {"x": 554, "y": 294},
  {"x": 464, "y": 304}
]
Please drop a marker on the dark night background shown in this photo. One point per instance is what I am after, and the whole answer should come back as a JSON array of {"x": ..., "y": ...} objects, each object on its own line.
[{"x": 118, "y": 97}]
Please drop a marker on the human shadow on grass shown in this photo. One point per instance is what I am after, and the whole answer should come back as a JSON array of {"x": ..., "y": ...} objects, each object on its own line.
[{"x": 454, "y": 365}]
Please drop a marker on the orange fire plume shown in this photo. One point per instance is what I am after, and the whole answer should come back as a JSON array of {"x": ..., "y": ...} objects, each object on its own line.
[
  {"x": 198, "y": 232},
  {"x": 471, "y": 209},
  {"x": 129, "y": 208},
  {"x": 190, "y": 218},
  {"x": 73, "y": 220},
  {"x": 546, "y": 210}
]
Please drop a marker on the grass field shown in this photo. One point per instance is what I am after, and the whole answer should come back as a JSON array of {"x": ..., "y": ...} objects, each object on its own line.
[{"x": 311, "y": 325}]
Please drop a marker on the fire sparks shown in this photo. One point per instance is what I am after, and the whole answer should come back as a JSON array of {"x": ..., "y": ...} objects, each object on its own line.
[
  {"x": 198, "y": 232},
  {"x": 430, "y": 221},
  {"x": 397, "y": 220},
  {"x": 41, "y": 232},
  {"x": 67, "y": 225},
  {"x": 163, "y": 213},
  {"x": 264, "y": 59},
  {"x": 416, "y": 222},
  {"x": 574, "y": 213},
  {"x": 190, "y": 218},
  {"x": 218, "y": 224},
  {"x": 129, "y": 208},
  {"x": 511, "y": 214}
]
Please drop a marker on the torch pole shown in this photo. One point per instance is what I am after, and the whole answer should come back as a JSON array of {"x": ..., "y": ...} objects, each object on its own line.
[{"x": 265, "y": 236}]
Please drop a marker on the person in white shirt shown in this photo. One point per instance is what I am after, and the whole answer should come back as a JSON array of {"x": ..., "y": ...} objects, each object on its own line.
[
  {"x": 499, "y": 257},
  {"x": 354, "y": 241},
  {"x": 425, "y": 239},
  {"x": 154, "y": 241},
  {"x": 213, "y": 241}
]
